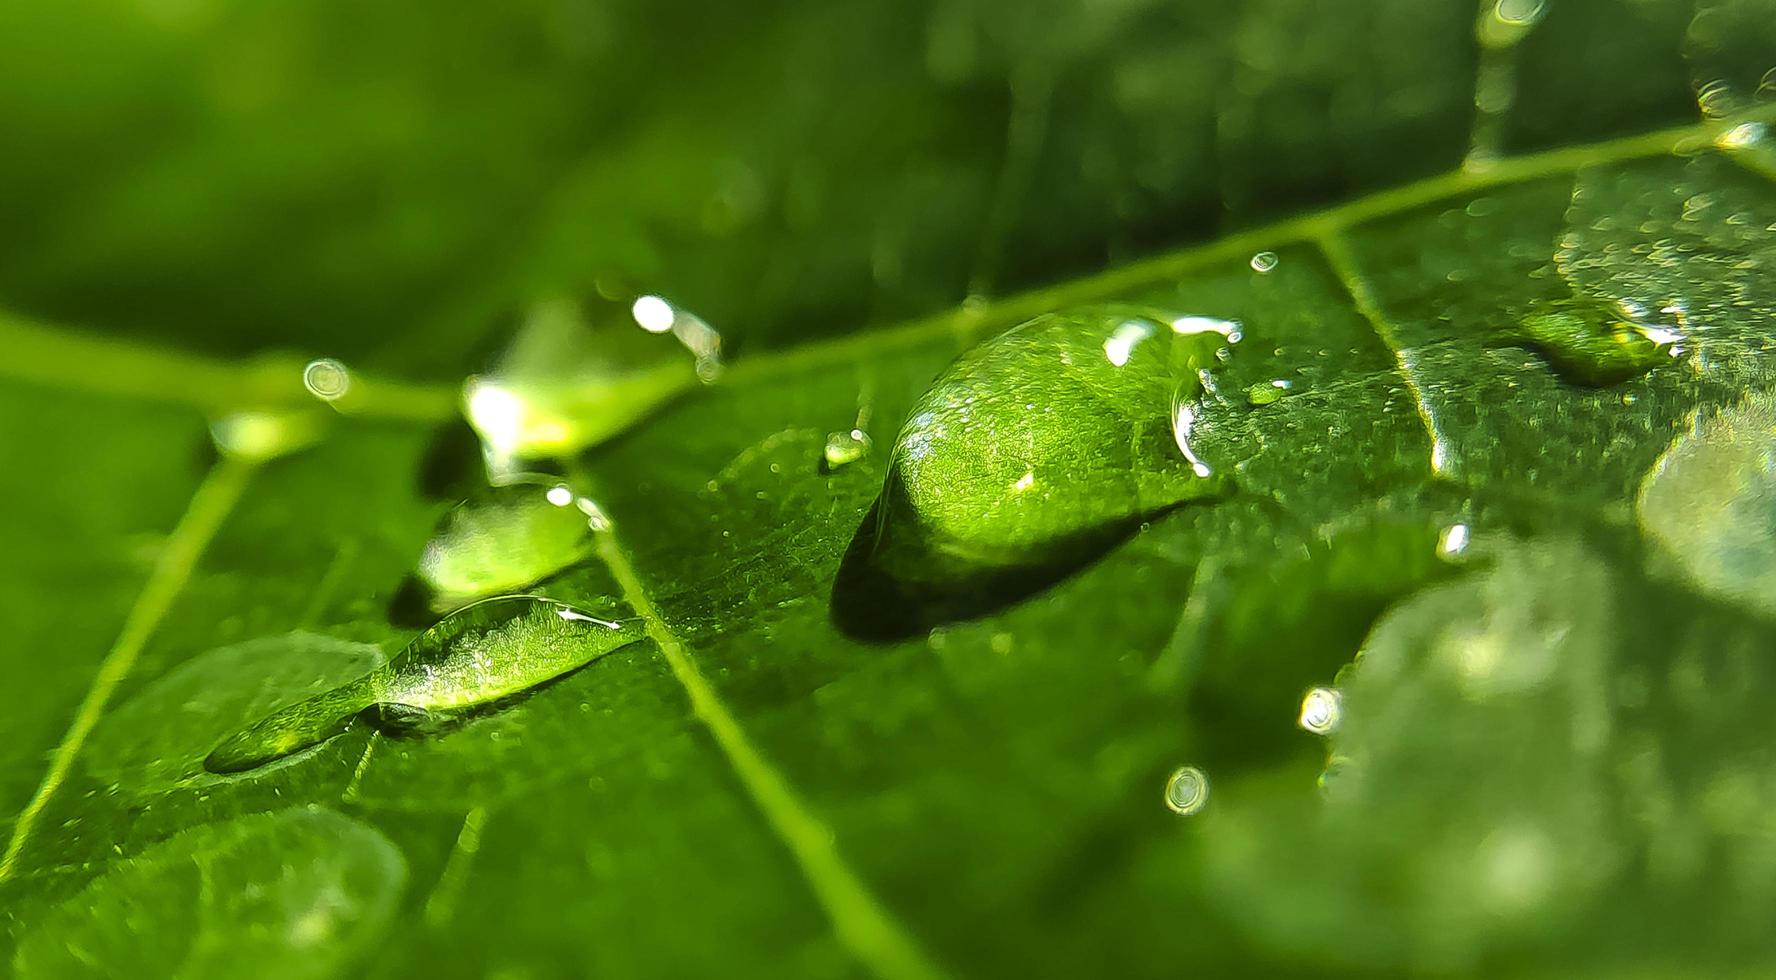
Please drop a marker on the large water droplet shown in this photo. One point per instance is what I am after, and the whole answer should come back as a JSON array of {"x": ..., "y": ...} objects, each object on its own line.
[
  {"x": 1041, "y": 445},
  {"x": 1710, "y": 504},
  {"x": 477, "y": 655},
  {"x": 1591, "y": 342},
  {"x": 505, "y": 538}
]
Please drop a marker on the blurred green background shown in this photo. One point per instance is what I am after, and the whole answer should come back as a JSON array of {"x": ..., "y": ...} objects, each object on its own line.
[{"x": 350, "y": 178}]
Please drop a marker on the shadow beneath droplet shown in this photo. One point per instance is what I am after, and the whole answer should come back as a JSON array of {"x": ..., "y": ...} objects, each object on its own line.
[
  {"x": 411, "y": 605},
  {"x": 452, "y": 466},
  {"x": 895, "y": 583}
]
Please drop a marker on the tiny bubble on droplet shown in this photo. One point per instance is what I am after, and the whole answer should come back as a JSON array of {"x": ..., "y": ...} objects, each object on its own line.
[
  {"x": 1322, "y": 708},
  {"x": 1187, "y": 790},
  {"x": 1264, "y": 261},
  {"x": 326, "y": 379}
]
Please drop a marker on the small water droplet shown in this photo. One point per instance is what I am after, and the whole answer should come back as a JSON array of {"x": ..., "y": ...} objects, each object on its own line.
[
  {"x": 844, "y": 448},
  {"x": 1264, "y": 261},
  {"x": 1187, "y": 790},
  {"x": 476, "y": 656},
  {"x": 505, "y": 538},
  {"x": 326, "y": 379},
  {"x": 1268, "y": 392},
  {"x": 1322, "y": 708}
]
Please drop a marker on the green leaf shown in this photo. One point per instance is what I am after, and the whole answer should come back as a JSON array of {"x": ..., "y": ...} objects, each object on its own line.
[{"x": 1470, "y": 654}]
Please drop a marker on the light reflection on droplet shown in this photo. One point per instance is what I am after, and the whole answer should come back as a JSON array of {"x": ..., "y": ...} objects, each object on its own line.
[
  {"x": 653, "y": 314},
  {"x": 1121, "y": 342},
  {"x": 1207, "y": 324},
  {"x": 1453, "y": 541},
  {"x": 1740, "y": 136},
  {"x": 1264, "y": 261},
  {"x": 326, "y": 379},
  {"x": 1187, "y": 790},
  {"x": 1322, "y": 708},
  {"x": 1183, "y": 418},
  {"x": 560, "y": 495}
]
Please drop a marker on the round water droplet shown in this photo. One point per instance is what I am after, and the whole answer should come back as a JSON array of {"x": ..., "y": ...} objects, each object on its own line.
[
  {"x": 505, "y": 538},
  {"x": 844, "y": 448},
  {"x": 1033, "y": 443},
  {"x": 476, "y": 656},
  {"x": 326, "y": 379},
  {"x": 1321, "y": 710},
  {"x": 1710, "y": 504},
  {"x": 1187, "y": 790},
  {"x": 1264, "y": 261}
]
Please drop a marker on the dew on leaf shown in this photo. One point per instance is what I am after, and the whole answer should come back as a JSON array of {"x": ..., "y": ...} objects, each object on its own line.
[
  {"x": 504, "y": 538},
  {"x": 577, "y": 374},
  {"x": 1709, "y": 504},
  {"x": 1267, "y": 392},
  {"x": 1030, "y": 454},
  {"x": 1264, "y": 261},
  {"x": 293, "y": 895},
  {"x": 1590, "y": 342},
  {"x": 844, "y": 448},
  {"x": 1187, "y": 790},
  {"x": 1037, "y": 437},
  {"x": 478, "y": 655}
]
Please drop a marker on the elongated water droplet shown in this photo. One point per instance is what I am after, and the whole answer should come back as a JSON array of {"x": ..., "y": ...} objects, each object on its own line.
[
  {"x": 1187, "y": 790},
  {"x": 1710, "y": 504},
  {"x": 1052, "y": 432},
  {"x": 505, "y": 538},
  {"x": 1591, "y": 342},
  {"x": 477, "y": 655},
  {"x": 845, "y": 448},
  {"x": 1264, "y": 261}
]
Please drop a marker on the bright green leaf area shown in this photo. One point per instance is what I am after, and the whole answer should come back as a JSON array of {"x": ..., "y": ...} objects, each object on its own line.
[{"x": 1472, "y": 643}]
